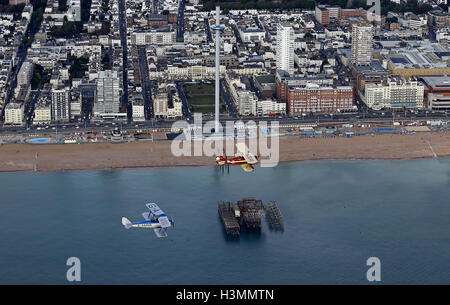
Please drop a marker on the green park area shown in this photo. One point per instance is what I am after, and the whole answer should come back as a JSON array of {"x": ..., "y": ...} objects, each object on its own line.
[{"x": 200, "y": 98}]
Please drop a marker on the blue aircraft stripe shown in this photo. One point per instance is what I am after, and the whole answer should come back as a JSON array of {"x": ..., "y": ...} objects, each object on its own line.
[{"x": 143, "y": 222}]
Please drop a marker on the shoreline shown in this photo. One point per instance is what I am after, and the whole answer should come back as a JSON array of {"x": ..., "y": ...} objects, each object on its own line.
[
  {"x": 108, "y": 156},
  {"x": 213, "y": 165}
]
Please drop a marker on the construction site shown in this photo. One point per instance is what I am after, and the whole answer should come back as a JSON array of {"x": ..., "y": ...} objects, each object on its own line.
[{"x": 246, "y": 216}]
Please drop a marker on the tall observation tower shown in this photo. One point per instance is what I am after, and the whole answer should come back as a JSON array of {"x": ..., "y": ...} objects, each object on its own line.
[{"x": 217, "y": 28}]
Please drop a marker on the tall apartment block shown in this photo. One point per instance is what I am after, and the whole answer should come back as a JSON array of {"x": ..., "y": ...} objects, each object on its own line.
[
  {"x": 285, "y": 48},
  {"x": 362, "y": 47},
  {"x": 60, "y": 104},
  {"x": 107, "y": 102}
]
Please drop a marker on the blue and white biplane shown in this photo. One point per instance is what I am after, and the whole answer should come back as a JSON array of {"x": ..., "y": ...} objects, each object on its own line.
[{"x": 155, "y": 219}]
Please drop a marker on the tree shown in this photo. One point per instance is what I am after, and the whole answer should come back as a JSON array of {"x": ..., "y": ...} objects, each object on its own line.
[
  {"x": 78, "y": 67},
  {"x": 106, "y": 62}
]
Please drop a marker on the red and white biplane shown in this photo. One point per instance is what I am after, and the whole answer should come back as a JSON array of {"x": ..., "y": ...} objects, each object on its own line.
[{"x": 245, "y": 159}]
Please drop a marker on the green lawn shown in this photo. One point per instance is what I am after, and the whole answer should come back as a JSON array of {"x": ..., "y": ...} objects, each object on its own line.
[
  {"x": 206, "y": 109},
  {"x": 201, "y": 98},
  {"x": 198, "y": 89}
]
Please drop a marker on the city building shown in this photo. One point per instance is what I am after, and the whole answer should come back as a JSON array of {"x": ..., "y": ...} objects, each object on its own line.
[
  {"x": 27, "y": 11},
  {"x": 43, "y": 111},
  {"x": 284, "y": 82},
  {"x": 160, "y": 36},
  {"x": 438, "y": 101},
  {"x": 418, "y": 58},
  {"x": 270, "y": 107},
  {"x": 285, "y": 48},
  {"x": 75, "y": 107},
  {"x": 314, "y": 98},
  {"x": 60, "y": 104},
  {"x": 138, "y": 111},
  {"x": 107, "y": 99},
  {"x": 437, "y": 92},
  {"x": 175, "y": 109},
  {"x": 246, "y": 102},
  {"x": 157, "y": 19},
  {"x": 362, "y": 47},
  {"x": 438, "y": 19},
  {"x": 167, "y": 105},
  {"x": 74, "y": 11},
  {"x": 14, "y": 114},
  {"x": 395, "y": 93},
  {"x": 322, "y": 14},
  {"x": 251, "y": 34},
  {"x": 160, "y": 104},
  {"x": 25, "y": 73}
]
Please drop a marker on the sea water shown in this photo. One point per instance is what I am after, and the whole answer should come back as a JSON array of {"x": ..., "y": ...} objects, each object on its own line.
[{"x": 337, "y": 214}]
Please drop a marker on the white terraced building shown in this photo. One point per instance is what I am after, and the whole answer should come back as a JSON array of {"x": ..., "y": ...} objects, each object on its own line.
[
  {"x": 42, "y": 112},
  {"x": 153, "y": 38},
  {"x": 14, "y": 114},
  {"x": 395, "y": 94},
  {"x": 246, "y": 102},
  {"x": 266, "y": 107},
  {"x": 162, "y": 109},
  {"x": 138, "y": 111}
]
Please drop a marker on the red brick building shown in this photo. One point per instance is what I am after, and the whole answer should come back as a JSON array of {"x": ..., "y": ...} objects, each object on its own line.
[
  {"x": 312, "y": 94},
  {"x": 172, "y": 18},
  {"x": 319, "y": 99},
  {"x": 322, "y": 15},
  {"x": 157, "y": 20},
  {"x": 353, "y": 12}
]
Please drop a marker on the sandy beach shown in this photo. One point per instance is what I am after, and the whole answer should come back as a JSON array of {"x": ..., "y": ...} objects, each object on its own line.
[{"x": 22, "y": 157}]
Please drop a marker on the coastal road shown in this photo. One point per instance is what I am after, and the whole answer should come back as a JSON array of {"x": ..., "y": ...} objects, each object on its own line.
[{"x": 70, "y": 128}]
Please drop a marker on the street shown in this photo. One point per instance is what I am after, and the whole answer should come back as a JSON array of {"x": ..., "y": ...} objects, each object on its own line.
[
  {"x": 180, "y": 23},
  {"x": 123, "y": 40},
  {"x": 145, "y": 82}
]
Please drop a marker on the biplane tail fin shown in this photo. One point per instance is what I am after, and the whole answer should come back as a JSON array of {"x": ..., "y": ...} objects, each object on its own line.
[{"x": 126, "y": 223}]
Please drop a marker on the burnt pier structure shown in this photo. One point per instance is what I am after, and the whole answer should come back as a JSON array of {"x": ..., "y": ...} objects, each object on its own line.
[
  {"x": 227, "y": 214},
  {"x": 247, "y": 214}
]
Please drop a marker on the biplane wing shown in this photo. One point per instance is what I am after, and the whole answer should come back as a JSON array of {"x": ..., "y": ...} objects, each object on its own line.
[
  {"x": 164, "y": 222},
  {"x": 243, "y": 149},
  {"x": 154, "y": 209},
  {"x": 160, "y": 232},
  {"x": 247, "y": 167}
]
